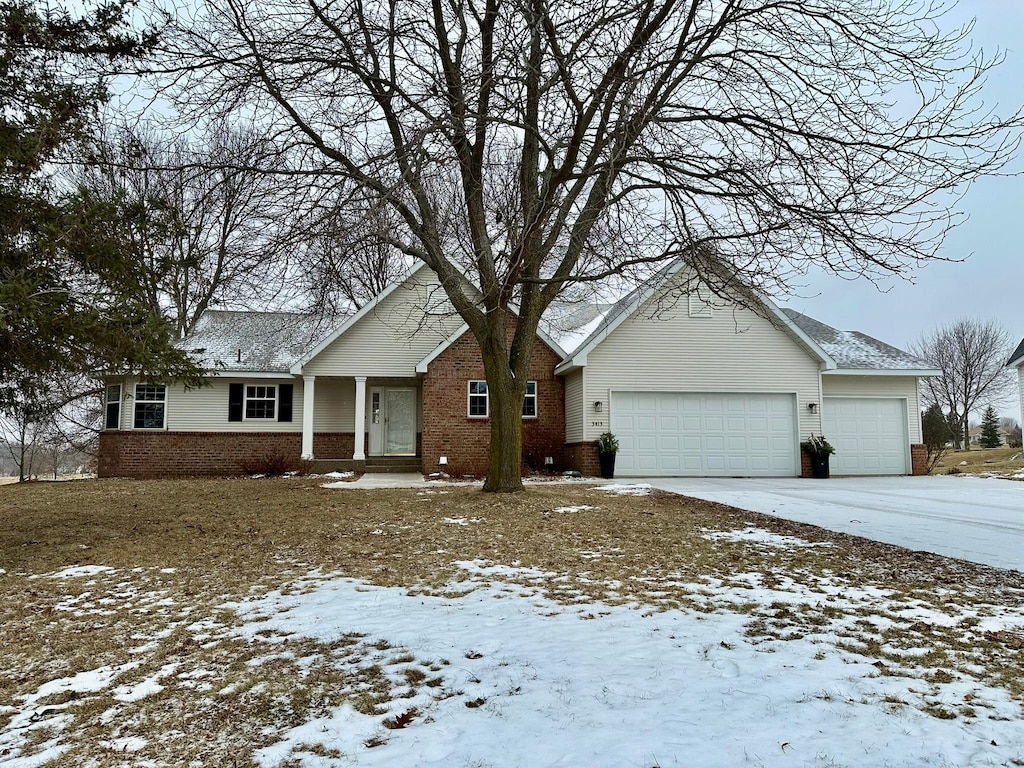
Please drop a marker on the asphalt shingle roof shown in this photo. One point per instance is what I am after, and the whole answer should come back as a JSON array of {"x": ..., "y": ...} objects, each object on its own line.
[
  {"x": 856, "y": 350},
  {"x": 254, "y": 341},
  {"x": 1018, "y": 354}
]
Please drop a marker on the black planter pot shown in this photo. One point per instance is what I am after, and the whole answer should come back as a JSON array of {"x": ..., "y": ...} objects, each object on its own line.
[
  {"x": 819, "y": 465},
  {"x": 607, "y": 465}
]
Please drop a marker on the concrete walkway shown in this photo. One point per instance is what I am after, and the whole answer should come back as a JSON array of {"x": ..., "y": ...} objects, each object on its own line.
[
  {"x": 972, "y": 518},
  {"x": 382, "y": 480}
]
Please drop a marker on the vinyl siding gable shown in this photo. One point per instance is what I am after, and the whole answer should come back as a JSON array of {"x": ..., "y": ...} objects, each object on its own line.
[
  {"x": 661, "y": 347},
  {"x": 393, "y": 336}
]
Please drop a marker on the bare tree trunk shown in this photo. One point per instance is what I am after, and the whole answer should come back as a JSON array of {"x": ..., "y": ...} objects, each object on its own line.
[{"x": 505, "y": 393}]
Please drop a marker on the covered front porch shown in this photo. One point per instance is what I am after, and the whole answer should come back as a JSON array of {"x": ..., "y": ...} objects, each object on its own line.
[{"x": 361, "y": 422}]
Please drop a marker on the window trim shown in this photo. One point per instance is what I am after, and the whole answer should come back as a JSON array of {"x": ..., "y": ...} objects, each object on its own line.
[
  {"x": 107, "y": 403},
  {"x": 536, "y": 401},
  {"x": 486, "y": 394},
  {"x": 138, "y": 400},
  {"x": 470, "y": 394},
  {"x": 246, "y": 399}
]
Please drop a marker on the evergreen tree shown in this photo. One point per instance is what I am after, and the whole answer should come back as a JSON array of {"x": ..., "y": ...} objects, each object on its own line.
[
  {"x": 68, "y": 276},
  {"x": 936, "y": 433},
  {"x": 990, "y": 429}
]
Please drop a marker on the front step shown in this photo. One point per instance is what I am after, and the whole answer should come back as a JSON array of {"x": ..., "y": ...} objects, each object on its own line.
[{"x": 394, "y": 464}]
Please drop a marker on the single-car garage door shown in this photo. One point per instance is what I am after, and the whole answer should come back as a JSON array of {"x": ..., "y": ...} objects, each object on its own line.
[
  {"x": 869, "y": 435},
  {"x": 705, "y": 434}
]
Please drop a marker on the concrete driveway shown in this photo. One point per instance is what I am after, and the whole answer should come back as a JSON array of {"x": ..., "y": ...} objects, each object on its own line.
[{"x": 971, "y": 518}]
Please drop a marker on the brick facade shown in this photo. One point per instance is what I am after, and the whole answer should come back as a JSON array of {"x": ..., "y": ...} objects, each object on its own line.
[
  {"x": 448, "y": 430},
  {"x": 918, "y": 459},
  {"x": 183, "y": 454},
  {"x": 583, "y": 458}
]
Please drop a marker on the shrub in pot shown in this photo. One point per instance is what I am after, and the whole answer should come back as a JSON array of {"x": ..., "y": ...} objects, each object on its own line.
[
  {"x": 818, "y": 449},
  {"x": 607, "y": 446}
]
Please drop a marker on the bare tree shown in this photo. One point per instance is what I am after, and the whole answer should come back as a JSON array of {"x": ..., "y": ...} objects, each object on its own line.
[
  {"x": 524, "y": 146},
  {"x": 971, "y": 354},
  {"x": 208, "y": 214}
]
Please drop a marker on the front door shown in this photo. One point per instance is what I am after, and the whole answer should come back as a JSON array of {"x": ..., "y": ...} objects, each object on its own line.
[{"x": 399, "y": 412}]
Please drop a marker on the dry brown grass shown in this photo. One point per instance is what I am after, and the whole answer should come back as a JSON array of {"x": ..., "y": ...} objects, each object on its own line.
[
  {"x": 182, "y": 549},
  {"x": 978, "y": 460}
]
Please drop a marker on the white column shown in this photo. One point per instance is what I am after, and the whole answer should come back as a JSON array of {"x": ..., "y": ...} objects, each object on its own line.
[
  {"x": 308, "y": 388},
  {"x": 360, "y": 452}
]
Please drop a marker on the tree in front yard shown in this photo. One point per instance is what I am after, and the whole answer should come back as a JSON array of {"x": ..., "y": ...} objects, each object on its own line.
[
  {"x": 990, "y": 429},
  {"x": 67, "y": 279},
  {"x": 1013, "y": 437},
  {"x": 936, "y": 433},
  {"x": 522, "y": 147}
]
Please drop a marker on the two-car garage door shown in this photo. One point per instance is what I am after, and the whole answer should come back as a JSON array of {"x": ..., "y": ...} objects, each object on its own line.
[{"x": 705, "y": 434}]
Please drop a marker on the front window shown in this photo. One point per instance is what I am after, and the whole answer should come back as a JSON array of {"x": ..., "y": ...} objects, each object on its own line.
[
  {"x": 112, "y": 420},
  {"x": 530, "y": 401},
  {"x": 150, "y": 406},
  {"x": 478, "y": 404},
  {"x": 260, "y": 401}
]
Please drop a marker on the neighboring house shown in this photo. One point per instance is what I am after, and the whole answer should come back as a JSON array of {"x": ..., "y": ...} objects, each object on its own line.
[
  {"x": 1017, "y": 361},
  {"x": 691, "y": 387}
]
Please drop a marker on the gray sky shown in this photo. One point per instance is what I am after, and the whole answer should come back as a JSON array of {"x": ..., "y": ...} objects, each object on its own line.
[{"x": 989, "y": 285}]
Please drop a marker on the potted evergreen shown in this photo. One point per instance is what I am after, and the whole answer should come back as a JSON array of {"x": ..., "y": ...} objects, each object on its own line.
[
  {"x": 818, "y": 450},
  {"x": 607, "y": 446}
]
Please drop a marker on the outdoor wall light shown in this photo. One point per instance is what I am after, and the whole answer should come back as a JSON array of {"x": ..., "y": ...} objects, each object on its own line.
[
  {"x": 812, "y": 407},
  {"x": 598, "y": 406},
  {"x": 443, "y": 460}
]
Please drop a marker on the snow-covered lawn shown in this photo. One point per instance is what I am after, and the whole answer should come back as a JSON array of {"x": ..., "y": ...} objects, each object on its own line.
[{"x": 584, "y": 626}]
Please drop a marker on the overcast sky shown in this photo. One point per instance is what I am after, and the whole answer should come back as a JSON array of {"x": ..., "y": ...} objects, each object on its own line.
[{"x": 990, "y": 284}]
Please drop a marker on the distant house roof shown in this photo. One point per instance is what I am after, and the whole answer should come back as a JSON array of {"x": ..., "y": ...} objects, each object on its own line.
[
  {"x": 853, "y": 350},
  {"x": 254, "y": 341},
  {"x": 1017, "y": 358}
]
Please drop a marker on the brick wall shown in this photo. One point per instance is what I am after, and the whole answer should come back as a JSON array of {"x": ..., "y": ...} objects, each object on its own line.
[
  {"x": 583, "y": 458},
  {"x": 448, "y": 430},
  {"x": 177, "y": 454},
  {"x": 805, "y": 464},
  {"x": 918, "y": 459}
]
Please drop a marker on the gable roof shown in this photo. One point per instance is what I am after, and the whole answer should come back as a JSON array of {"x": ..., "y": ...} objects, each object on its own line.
[
  {"x": 858, "y": 352},
  {"x": 421, "y": 366},
  {"x": 366, "y": 309},
  {"x": 1017, "y": 358},
  {"x": 266, "y": 342},
  {"x": 639, "y": 296}
]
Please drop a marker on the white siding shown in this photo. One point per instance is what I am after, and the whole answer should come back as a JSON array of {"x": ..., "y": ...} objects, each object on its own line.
[
  {"x": 734, "y": 350},
  {"x": 392, "y": 338},
  {"x": 879, "y": 386},
  {"x": 1020, "y": 384},
  {"x": 575, "y": 411},
  {"x": 334, "y": 405},
  {"x": 205, "y": 409}
]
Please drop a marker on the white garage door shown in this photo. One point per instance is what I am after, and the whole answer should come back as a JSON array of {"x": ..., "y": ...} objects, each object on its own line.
[
  {"x": 705, "y": 435},
  {"x": 869, "y": 435}
]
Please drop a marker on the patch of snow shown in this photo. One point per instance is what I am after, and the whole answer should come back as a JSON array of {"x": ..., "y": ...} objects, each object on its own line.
[
  {"x": 144, "y": 688},
  {"x": 125, "y": 744},
  {"x": 339, "y": 475},
  {"x": 461, "y": 520},
  {"x": 568, "y": 510},
  {"x": 627, "y": 489},
  {"x": 761, "y": 536},
  {"x": 79, "y": 571},
  {"x": 535, "y": 685}
]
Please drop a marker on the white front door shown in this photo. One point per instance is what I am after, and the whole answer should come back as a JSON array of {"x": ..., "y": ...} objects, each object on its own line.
[
  {"x": 705, "y": 434},
  {"x": 399, "y": 411}
]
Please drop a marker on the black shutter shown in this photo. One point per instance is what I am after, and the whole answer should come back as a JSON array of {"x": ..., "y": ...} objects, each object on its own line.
[
  {"x": 235, "y": 402},
  {"x": 284, "y": 402}
]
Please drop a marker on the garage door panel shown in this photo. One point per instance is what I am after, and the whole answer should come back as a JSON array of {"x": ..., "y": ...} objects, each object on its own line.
[
  {"x": 706, "y": 434},
  {"x": 869, "y": 435}
]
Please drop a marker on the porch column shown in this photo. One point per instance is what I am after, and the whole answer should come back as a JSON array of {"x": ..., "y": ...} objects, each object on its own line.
[
  {"x": 360, "y": 452},
  {"x": 308, "y": 389}
]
